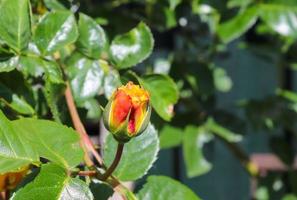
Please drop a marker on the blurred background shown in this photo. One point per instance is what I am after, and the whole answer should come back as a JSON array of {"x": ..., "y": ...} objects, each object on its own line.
[{"x": 234, "y": 62}]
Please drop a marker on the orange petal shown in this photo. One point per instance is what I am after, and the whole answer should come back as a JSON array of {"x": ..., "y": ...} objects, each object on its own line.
[
  {"x": 136, "y": 118},
  {"x": 131, "y": 124},
  {"x": 120, "y": 108}
]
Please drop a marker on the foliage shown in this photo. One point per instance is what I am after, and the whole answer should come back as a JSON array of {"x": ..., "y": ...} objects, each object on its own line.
[{"x": 52, "y": 51}]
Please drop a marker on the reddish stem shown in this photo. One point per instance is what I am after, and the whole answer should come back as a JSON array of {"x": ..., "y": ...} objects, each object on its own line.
[
  {"x": 86, "y": 142},
  {"x": 115, "y": 162},
  {"x": 87, "y": 173}
]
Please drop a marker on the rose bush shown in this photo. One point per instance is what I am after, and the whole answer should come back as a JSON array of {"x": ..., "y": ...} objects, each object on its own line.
[{"x": 154, "y": 73}]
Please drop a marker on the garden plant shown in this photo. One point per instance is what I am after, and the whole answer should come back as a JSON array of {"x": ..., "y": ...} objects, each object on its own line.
[{"x": 92, "y": 91}]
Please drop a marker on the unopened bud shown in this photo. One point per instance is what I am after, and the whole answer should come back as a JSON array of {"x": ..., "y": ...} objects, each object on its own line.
[{"x": 128, "y": 112}]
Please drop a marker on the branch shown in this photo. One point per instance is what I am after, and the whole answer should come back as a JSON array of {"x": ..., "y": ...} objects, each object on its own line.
[
  {"x": 87, "y": 173},
  {"x": 86, "y": 142},
  {"x": 250, "y": 166},
  {"x": 122, "y": 190}
]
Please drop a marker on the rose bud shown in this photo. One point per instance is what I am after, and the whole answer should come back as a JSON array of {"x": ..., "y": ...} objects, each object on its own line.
[{"x": 128, "y": 112}]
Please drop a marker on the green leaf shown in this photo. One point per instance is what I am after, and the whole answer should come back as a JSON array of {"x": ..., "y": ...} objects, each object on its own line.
[
  {"x": 208, "y": 15},
  {"x": 86, "y": 77},
  {"x": 101, "y": 21},
  {"x": 51, "y": 140},
  {"x": 76, "y": 189},
  {"x": 36, "y": 67},
  {"x": 55, "y": 30},
  {"x": 15, "y": 152},
  {"x": 235, "y": 27},
  {"x": 193, "y": 141},
  {"x": 222, "y": 81},
  {"x": 280, "y": 18},
  {"x": 138, "y": 156},
  {"x": 15, "y": 27},
  {"x": 287, "y": 94},
  {"x": 162, "y": 98},
  {"x": 54, "y": 5},
  {"x": 133, "y": 47},
  {"x": 101, "y": 190},
  {"x": 93, "y": 109},
  {"x": 92, "y": 40},
  {"x": 289, "y": 197},
  {"x": 222, "y": 132},
  {"x": 170, "y": 18},
  {"x": 16, "y": 94},
  {"x": 20, "y": 105},
  {"x": 238, "y": 3},
  {"x": 291, "y": 3},
  {"x": 170, "y": 136},
  {"x": 53, "y": 72},
  {"x": 111, "y": 83},
  {"x": 123, "y": 191},
  {"x": 9, "y": 65},
  {"x": 290, "y": 96},
  {"x": 53, "y": 183},
  {"x": 174, "y": 3},
  {"x": 31, "y": 66},
  {"x": 165, "y": 188},
  {"x": 53, "y": 93},
  {"x": 262, "y": 193}
]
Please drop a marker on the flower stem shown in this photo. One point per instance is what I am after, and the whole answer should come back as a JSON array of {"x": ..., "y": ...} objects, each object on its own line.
[
  {"x": 115, "y": 162},
  {"x": 87, "y": 173},
  {"x": 86, "y": 142}
]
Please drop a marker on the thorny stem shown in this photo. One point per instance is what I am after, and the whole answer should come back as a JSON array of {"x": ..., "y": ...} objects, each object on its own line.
[
  {"x": 86, "y": 142},
  {"x": 115, "y": 162},
  {"x": 87, "y": 173}
]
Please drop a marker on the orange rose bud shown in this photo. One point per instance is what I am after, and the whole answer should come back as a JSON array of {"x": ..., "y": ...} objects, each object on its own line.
[
  {"x": 128, "y": 112},
  {"x": 10, "y": 180}
]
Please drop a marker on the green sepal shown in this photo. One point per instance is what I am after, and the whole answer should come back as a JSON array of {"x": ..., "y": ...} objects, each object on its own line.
[
  {"x": 107, "y": 113},
  {"x": 121, "y": 134},
  {"x": 146, "y": 120}
]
